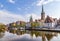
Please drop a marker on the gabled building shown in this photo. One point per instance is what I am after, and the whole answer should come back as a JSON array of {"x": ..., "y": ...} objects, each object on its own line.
[{"x": 49, "y": 22}]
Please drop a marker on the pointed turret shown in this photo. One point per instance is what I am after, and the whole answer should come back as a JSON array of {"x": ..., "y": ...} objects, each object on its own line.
[
  {"x": 42, "y": 14},
  {"x": 31, "y": 19},
  {"x": 42, "y": 9}
]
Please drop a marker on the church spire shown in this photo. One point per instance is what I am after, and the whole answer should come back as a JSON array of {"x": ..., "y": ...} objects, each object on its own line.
[
  {"x": 31, "y": 19},
  {"x": 42, "y": 9},
  {"x": 42, "y": 14}
]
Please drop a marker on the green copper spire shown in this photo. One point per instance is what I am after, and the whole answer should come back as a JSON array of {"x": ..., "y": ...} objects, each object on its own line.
[{"x": 31, "y": 19}]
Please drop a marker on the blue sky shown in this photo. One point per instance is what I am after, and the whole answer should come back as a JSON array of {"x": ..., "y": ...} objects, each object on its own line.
[{"x": 15, "y": 10}]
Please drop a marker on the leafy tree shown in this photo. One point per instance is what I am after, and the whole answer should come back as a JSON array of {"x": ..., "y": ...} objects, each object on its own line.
[
  {"x": 2, "y": 27},
  {"x": 34, "y": 24}
]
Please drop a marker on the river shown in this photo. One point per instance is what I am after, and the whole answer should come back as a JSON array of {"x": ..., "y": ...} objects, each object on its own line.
[{"x": 25, "y": 35}]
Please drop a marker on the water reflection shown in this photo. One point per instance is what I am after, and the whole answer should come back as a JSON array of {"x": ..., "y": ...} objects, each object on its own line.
[
  {"x": 45, "y": 36},
  {"x": 2, "y": 33},
  {"x": 26, "y": 35}
]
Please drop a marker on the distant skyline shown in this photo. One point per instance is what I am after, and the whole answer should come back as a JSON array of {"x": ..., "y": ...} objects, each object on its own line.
[{"x": 16, "y": 10}]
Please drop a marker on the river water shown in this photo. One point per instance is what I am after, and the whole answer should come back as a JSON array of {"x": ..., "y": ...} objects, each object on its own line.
[{"x": 25, "y": 35}]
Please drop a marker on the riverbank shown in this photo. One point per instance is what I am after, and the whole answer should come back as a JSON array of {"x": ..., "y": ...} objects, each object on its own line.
[{"x": 50, "y": 30}]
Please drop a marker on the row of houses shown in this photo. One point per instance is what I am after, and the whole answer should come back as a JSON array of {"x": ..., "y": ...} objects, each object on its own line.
[
  {"x": 49, "y": 22},
  {"x": 43, "y": 22}
]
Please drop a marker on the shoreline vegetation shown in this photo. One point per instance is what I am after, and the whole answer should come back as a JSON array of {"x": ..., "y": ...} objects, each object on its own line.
[
  {"x": 3, "y": 28},
  {"x": 34, "y": 26}
]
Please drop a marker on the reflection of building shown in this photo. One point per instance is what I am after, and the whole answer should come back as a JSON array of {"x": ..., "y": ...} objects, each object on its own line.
[
  {"x": 50, "y": 35},
  {"x": 44, "y": 35},
  {"x": 2, "y": 33}
]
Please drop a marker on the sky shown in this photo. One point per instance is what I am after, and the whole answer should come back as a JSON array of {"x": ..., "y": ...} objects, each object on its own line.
[{"x": 21, "y": 10}]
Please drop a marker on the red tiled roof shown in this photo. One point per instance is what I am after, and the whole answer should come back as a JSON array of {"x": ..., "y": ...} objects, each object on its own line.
[{"x": 49, "y": 19}]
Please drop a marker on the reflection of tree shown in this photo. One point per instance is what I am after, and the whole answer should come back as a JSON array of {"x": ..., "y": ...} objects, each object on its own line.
[
  {"x": 12, "y": 31},
  {"x": 37, "y": 34},
  {"x": 50, "y": 36},
  {"x": 19, "y": 32},
  {"x": 32, "y": 33},
  {"x": 44, "y": 35},
  {"x": 2, "y": 34}
]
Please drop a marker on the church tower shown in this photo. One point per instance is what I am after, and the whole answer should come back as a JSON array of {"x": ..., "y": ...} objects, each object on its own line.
[
  {"x": 31, "y": 19},
  {"x": 42, "y": 14}
]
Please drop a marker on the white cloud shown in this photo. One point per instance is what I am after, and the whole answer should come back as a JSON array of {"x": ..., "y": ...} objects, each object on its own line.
[
  {"x": 57, "y": 0},
  {"x": 40, "y": 2},
  {"x": 43, "y": 2},
  {"x": 12, "y": 1},
  {"x": 7, "y": 17}
]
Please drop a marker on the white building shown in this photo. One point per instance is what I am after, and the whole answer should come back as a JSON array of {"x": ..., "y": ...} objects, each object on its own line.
[
  {"x": 28, "y": 24},
  {"x": 49, "y": 22}
]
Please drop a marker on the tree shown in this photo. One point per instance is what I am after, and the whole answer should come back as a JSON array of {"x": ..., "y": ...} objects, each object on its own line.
[
  {"x": 34, "y": 24},
  {"x": 2, "y": 27}
]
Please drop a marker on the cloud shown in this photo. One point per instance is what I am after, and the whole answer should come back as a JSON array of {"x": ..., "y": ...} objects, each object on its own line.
[
  {"x": 12, "y": 1},
  {"x": 40, "y": 2},
  {"x": 8, "y": 17},
  {"x": 43, "y": 2},
  {"x": 57, "y": 0}
]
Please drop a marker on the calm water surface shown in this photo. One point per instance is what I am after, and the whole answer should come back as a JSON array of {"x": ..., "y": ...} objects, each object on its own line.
[{"x": 25, "y": 35}]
